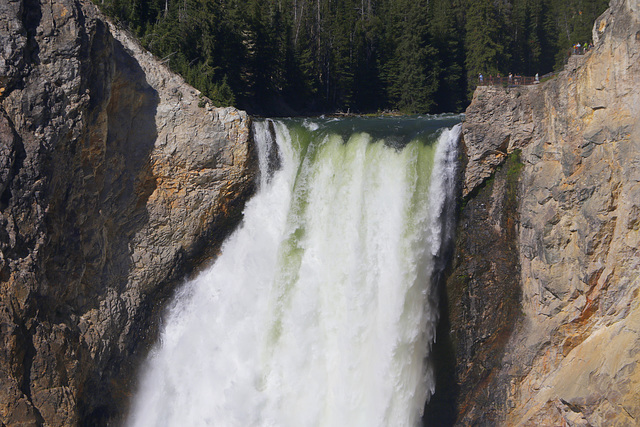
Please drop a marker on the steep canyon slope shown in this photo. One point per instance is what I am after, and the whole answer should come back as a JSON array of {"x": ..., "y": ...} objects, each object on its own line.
[
  {"x": 548, "y": 332},
  {"x": 115, "y": 178}
]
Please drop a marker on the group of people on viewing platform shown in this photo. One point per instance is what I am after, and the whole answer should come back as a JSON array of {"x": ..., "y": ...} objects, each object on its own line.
[
  {"x": 511, "y": 80},
  {"x": 581, "y": 49}
]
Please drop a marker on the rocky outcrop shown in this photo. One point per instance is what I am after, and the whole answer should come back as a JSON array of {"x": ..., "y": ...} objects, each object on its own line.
[
  {"x": 572, "y": 351},
  {"x": 116, "y": 179}
]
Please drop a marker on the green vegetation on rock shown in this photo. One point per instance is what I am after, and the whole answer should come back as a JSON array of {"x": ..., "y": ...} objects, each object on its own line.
[{"x": 514, "y": 166}]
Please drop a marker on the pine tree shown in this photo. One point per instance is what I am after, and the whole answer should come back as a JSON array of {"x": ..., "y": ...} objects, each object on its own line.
[
  {"x": 486, "y": 39},
  {"x": 448, "y": 34},
  {"x": 412, "y": 71}
]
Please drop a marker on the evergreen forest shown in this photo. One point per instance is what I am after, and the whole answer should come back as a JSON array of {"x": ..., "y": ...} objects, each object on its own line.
[{"x": 287, "y": 57}]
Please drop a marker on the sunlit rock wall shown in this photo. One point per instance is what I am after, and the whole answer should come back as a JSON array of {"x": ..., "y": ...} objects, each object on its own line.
[{"x": 572, "y": 356}]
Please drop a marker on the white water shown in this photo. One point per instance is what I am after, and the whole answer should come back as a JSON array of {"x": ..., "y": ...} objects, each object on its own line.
[{"x": 320, "y": 310}]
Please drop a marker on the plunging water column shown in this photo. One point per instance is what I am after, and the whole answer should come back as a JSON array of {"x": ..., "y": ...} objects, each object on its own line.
[{"x": 320, "y": 310}]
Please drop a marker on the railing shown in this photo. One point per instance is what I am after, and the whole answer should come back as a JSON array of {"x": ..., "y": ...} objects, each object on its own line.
[
  {"x": 514, "y": 80},
  {"x": 507, "y": 81},
  {"x": 582, "y": 50}
]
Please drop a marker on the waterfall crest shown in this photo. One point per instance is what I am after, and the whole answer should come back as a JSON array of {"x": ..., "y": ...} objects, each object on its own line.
[{"x": 320, "y": 310}]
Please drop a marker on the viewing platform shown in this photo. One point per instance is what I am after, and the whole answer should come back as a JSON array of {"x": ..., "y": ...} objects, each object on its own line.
[
  {"x": 573, "y": 61},
  {"x": 510, "y": 81}
]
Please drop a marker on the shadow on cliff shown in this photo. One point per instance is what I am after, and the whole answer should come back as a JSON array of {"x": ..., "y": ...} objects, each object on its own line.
[
  {"x": 479, "y": 303},
  {"x": 101, "y": 182},
  {"x": 131, "y": 138},
  {"x": 441, "y": 410}
]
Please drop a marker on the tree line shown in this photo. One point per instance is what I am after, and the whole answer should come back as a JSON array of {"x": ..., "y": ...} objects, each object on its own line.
[{"x": 308, "y": 56}]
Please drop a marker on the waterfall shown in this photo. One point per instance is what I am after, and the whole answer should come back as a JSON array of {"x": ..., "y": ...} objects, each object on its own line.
[{"x": 320, "y": 309}]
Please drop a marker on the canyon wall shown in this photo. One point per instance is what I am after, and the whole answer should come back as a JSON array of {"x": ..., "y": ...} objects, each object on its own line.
[
  {"x": 544, "y": 290},
  {"x": 116, "y": 180}
]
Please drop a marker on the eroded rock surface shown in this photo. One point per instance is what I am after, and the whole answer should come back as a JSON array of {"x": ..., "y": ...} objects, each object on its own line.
[
  {"x": 115, "y": 178},
  {"x": 572, "y": 358}
]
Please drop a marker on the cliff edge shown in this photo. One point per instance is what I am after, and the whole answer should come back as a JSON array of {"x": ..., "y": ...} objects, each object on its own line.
[
  {"x": 116, "y": 178},
  {"x": 569, "y": 352}
]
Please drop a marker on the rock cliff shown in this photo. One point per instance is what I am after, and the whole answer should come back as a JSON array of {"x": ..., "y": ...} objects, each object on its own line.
[
  {"x": 567, "y": 351},
  {"x": 116, "y": 179}
]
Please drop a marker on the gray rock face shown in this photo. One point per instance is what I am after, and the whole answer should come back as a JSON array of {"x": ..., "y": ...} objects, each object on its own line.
[
  {"x": 573, "y": 356},
  {"x": 116, "y": 179}
]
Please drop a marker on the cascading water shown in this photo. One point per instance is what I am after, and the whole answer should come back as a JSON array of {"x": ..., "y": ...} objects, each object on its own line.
[{"x": 320, "y": 310}]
